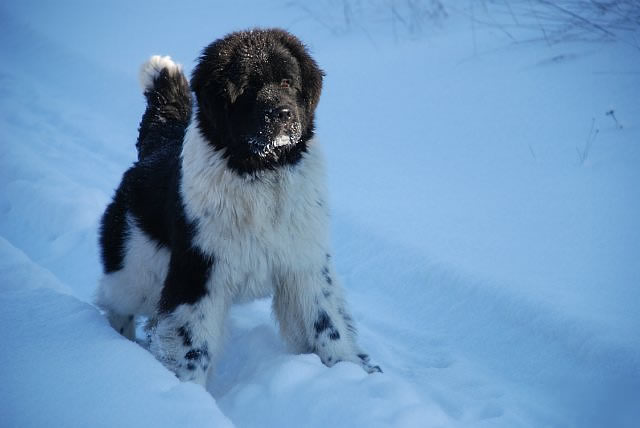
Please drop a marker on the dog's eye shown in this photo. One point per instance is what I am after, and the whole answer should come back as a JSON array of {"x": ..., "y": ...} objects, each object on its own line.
[{"x": 285, "y": 83}]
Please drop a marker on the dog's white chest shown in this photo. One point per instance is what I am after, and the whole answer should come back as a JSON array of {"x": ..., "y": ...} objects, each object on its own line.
[{"x": 254, "y": 227}]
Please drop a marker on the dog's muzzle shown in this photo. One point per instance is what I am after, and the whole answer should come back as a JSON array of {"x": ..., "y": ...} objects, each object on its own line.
[{"x": 280, "y": 128}]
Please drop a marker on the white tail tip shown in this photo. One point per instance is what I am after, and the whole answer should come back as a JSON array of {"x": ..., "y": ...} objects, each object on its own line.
[{"x": 152, "y": 68}]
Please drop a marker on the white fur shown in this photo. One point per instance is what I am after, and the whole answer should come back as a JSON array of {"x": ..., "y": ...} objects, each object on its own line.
[
  {"x": 254, "y": 226},
  {"x": 152, "y": 68},
  {"x": 135, "y": 289}
]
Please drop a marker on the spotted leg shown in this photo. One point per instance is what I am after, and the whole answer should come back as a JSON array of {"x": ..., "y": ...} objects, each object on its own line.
[
  {"x": 187, "y": 339},
  {"x": 313, "y": 316},
  {"x": 187, "y": 332}
]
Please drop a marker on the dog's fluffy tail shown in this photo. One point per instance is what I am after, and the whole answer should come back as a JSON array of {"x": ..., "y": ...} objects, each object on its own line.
[{"x": 168, "y": 105}]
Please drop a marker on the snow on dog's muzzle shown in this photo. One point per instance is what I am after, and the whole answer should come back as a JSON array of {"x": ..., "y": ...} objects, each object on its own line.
[
  {"x": 280, "y": 128},
  {"x": 262, "y": 146}
]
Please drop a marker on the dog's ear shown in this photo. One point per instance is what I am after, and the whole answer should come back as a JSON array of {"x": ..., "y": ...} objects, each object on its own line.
[
  {"x": 204, "y": 83},
  {"x": 209, "y": 84},
  {"x": 310, "y": 72}
]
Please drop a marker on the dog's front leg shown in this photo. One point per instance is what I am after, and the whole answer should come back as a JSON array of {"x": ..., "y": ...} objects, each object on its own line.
[
  {"x": 313, "y": 316},
  {"x": 187, "y": 332}
]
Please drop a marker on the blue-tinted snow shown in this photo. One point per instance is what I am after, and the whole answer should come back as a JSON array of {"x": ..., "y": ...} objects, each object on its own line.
[{"x": 494, "y": 275}]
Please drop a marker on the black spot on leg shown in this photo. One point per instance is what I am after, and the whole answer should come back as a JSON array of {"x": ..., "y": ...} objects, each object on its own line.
[
  {"x": 193, "y": 354},
  {"x": 363, "y": 357},
  {"x": 323, "y": 322},
  {"x": 325, "y": 274},
  {"x": 198, "y": 355},
  {"x": 121, "y": 330},
  {"x": 191, "y": 366},
  {"x": 186, "y": 336},
  {"x": 130, "y": 318}
]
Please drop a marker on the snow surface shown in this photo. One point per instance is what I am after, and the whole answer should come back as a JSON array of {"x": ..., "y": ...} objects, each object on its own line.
[{"x": 492, "y": 267}]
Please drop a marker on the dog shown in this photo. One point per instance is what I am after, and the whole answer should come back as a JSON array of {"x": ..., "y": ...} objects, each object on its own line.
[{"x": 226, "y": 203}]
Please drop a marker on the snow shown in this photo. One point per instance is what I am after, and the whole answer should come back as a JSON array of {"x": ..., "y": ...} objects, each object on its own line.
[
  {"x": 61, "y": 365},
  {"x": 490, "y": 255}
]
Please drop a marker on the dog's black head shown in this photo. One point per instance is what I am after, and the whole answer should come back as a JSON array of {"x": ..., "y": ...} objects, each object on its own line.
[{"x": 257, "y": 92}]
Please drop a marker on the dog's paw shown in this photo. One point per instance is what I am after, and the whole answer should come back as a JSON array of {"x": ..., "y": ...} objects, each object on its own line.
[
  {"x": 365, "y": 363},
  {"x": 176, "y": 350},
  {"x": 151, "y": 69},
  {"x": 360, "y": 359},
  {"x": 372, "y": 369}
]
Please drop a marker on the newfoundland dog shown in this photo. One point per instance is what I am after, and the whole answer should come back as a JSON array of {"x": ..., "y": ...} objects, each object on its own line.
[{"x": 225, "y": 205}]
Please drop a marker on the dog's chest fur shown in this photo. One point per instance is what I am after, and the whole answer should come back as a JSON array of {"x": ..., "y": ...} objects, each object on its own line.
[{"x": 258, "y": 227}]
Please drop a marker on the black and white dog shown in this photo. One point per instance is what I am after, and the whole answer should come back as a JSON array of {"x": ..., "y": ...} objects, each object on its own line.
[{"x": 226, "y": 205}]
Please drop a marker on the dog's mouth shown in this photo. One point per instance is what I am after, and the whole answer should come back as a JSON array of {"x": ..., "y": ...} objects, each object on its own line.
[
  {"x": 262, "y": 147},
  {"x": 267, "y": 143}
]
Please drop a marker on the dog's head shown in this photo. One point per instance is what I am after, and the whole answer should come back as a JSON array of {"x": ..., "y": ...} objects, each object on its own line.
[{"x": 257, "y": 92}]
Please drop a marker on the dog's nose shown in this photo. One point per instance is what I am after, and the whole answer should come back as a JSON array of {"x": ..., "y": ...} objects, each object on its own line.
[{"x": 283, "y": 114}]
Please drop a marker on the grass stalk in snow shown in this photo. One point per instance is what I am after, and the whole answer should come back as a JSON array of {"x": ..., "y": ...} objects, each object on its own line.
[
  {"x": 583, "y": 154},
  {"x": 562, "y": 20},
  {"x": 612, "y": 113}
]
